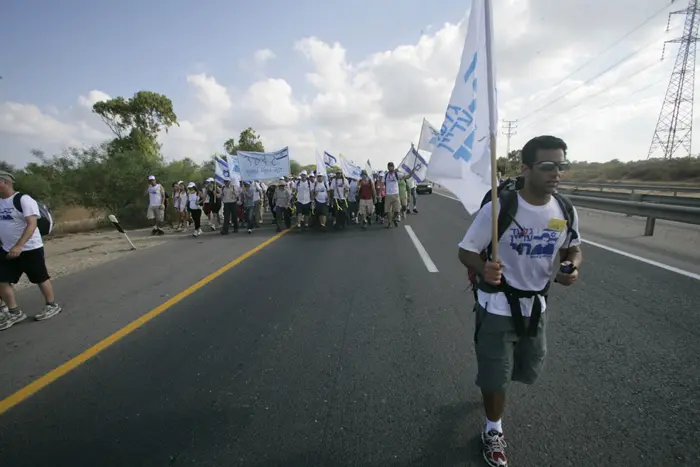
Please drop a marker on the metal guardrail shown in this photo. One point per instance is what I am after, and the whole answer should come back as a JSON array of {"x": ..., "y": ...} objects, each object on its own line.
[
  {"x": 644, "y": 198},
  {"x": 652, "y": 211},
  {"x": 672, "y": 208},
  {"x": 631, "y": 187}
]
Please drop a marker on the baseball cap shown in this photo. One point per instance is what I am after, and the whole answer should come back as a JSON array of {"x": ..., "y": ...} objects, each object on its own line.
[{"x": 7, "y": 176}]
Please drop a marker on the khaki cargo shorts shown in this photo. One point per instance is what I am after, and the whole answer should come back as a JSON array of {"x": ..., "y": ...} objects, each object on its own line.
[
  {"x": 502, "y": 356},
  {"x": 155, "y": 212}
]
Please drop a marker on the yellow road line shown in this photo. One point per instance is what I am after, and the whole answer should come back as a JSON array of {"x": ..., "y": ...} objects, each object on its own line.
[{"x": 40, "y": 383}]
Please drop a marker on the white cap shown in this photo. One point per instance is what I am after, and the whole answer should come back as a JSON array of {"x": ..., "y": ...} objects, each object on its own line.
[
  {"x": 180, "y": 182},
  {"x": 281, "y": 178},
  {"x": 191, "y": 185},
  {"x": 210, "y": 179},
  {"x": 151, "y": 177},
  {"x": 303, "y": 172}
]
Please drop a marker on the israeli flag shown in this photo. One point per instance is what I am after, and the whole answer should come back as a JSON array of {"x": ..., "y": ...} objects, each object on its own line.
[
  {"x": 414, "y": 162},
  {"x": 329, "y": 160},
  {"x": 221, "y": 169}
]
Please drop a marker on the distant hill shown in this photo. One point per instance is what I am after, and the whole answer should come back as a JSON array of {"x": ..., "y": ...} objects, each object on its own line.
[{"x": 682, "y": 171}]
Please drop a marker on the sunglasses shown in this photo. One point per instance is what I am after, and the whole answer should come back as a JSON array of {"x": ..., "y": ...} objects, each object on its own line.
[{"x": 548, "y": 166}]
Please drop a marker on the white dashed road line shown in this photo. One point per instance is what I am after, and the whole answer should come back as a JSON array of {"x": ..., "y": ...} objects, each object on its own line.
[{"x": 421, "y": 250}]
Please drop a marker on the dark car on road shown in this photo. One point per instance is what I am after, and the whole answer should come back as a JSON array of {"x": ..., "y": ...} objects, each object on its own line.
[{"x": 424, "y": 187}]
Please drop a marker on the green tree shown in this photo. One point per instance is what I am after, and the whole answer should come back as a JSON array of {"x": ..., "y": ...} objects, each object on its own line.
[
  {"x": 309, "y": 168},
  {"x": 148, "y": 112},
  {"x": 248, "y": 140},
  {"x": 295, "y": 167}
]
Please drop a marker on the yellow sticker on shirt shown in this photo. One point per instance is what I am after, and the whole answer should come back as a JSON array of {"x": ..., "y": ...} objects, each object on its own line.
[{"x": 557, "y": 224}]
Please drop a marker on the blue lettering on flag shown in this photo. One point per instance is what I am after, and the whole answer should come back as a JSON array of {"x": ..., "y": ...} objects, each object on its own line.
[{"x": 460, "y": 120}]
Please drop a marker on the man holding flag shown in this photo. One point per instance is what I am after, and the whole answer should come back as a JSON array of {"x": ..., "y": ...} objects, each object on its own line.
[{"x": 530, "y": 224}]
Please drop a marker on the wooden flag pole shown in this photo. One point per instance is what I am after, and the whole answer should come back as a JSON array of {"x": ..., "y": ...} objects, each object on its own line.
[
  {"x": 494, "y": 199},
  {"x": 491, "y": 78}
]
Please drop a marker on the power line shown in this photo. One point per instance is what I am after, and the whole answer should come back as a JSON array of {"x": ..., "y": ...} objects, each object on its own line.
[
  {"x": 616, "y": 101},
  {"x": 509, "y": 126},
  {"x": 614, "y": 84},
  {"x": 588, "y": 81},
  {"x": 615, "y": 44}
]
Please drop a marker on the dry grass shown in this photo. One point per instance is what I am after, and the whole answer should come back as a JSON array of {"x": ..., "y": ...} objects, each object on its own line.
[{"x": 77, "y": 219}]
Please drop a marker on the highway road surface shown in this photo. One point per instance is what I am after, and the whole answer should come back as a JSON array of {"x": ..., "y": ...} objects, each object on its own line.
[{"x": 343, "y": 349}]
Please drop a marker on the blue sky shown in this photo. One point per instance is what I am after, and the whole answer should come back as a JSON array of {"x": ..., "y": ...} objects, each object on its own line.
[
  {"x": 59, "y": 52},
  {"x": 395, "y": 64}
]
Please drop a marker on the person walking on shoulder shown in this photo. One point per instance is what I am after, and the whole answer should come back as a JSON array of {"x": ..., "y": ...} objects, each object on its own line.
[
  {"x": 22, "y": 253},
  {"x": 538, "y": 231},
  {"x": 156, "y": 204}
]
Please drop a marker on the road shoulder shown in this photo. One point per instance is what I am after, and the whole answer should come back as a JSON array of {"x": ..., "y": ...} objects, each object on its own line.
[{"x": 101, "y": 300}]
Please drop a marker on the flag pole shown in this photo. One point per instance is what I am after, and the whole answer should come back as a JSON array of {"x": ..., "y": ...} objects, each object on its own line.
[{"x": 492, "y": 132}]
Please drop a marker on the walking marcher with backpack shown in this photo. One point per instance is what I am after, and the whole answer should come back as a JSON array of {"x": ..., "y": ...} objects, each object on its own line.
[
  {"x": 156, "y": 204},
  {"x": 537, "y": 230},
  {"x": 22, "y": 221}
]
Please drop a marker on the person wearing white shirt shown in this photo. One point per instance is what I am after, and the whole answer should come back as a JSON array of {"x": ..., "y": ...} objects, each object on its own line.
[
  {"x": 21, "y": 253},
  {"x": 392, "y": 202},
  {"x": 156, "y": 204},
  {"x": 321, "y": 197},
  {"x": 510, "y": 330},
  {"x": 229, "y": 198},
  {"x": 303, "y": 191}
]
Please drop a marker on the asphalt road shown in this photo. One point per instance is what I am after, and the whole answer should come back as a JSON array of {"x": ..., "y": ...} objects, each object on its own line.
[{"x": 341, "y": 349}]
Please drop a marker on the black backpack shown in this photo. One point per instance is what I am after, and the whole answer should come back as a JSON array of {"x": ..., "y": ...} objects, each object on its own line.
[
  {"x": 508, "y": 199},
  {"x": 45, "y": 221}
]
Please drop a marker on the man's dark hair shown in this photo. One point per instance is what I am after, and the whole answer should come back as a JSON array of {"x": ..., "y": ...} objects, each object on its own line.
[{"x": 529, "y": 151}]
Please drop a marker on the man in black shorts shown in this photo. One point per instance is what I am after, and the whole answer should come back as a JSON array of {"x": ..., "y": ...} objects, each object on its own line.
[{"x": 22, "y": 252}]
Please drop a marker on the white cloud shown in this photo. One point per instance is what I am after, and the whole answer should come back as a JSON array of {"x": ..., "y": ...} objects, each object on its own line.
[
  {"x": 263, "y": 56},
  {"x": 373, "y": 107},
  {"x": 92, "y": 98}
]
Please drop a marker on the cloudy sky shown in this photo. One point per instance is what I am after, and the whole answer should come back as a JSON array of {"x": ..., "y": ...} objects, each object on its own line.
[{"x": 314, "y": 74}]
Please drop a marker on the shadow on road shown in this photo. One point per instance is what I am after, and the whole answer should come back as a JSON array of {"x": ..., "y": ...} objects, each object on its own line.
[{"x": 453, "y": 442}]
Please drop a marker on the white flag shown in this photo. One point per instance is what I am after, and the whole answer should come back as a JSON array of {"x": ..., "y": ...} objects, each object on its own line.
[
  {"x": 234, "y": 170},
  {"x": 349, "y": 168},
  {"x": 461, "y": 161},
  {"x": 414, "y": 162},
  {"x": 321, "y": 166},
  {"x": 428, "y": 137}
]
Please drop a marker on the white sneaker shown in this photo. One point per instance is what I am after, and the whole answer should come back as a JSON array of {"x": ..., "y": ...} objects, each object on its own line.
[
  {"x": 49, "y": 311},
  {"x": 7, "y": 319}
]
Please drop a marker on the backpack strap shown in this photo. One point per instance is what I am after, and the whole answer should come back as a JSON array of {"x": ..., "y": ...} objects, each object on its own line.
[
  {"x": 17, "y": 201},
  {"x": 508, "y": 201},
  {"x": 568, "y": 209}
]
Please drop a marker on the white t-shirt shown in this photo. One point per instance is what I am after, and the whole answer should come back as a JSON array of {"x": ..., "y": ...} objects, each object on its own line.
[
  {"x": 155, "y": 197},
  {"x": 339, "y": 186},
  {"x": 304, "y": 191},
  {"x": 529, "y": 260},
  {"x": 412, "y": 183},
  {"x": 193, "y": 201},
  {"x": 353, "y": 190},
  {"x": 258, "y": 190},
  {"x": 12, "y": 223},
  {"x": 321, "y": 192},
  {"x": 392, "y": 184}
]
